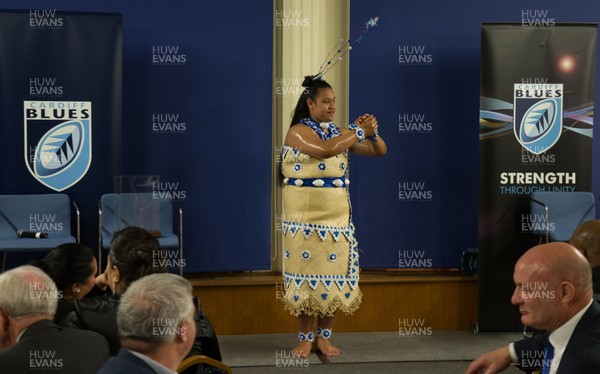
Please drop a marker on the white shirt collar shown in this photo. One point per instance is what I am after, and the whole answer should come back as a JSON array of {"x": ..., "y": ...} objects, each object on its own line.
[
  {"x": 560, "y": 337},
  {"x": 20, "y": 335},
  {"x": 156, "y": 366}
]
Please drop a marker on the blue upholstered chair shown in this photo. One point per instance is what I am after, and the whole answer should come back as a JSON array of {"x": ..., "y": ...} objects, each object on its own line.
[
  {"x": 562, "y": 212},
  {"x": 117, "y": 211},
  {"x": 45, "y": 213}
]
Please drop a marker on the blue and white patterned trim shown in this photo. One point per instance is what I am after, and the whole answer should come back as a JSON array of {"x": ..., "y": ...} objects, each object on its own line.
[
  {"x": 353, "y": 258},
  {"x": 328, "y": 280},
  {"x": 323, "y": 231},
  {"x": 340, "y": 182},
  {"x": 360, "y": 133},
  {"x": 313, "y": 281},
  {"x": 323, "y": 333},
  {"x": 373, "y": 138},
  {"x": 285, "y": 149},
  {"x": 306, "y": 337},
  {"x": 332, "y": 130},
  {"x": 298, "y": 156}
]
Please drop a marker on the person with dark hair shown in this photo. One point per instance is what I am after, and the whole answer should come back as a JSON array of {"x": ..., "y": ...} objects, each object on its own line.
[
  {"x": 73, "y": 268},
  {"x": 320, "y": 262},
  {"x": 586, "y": 239},
  {"x": 132, "y": 255}
]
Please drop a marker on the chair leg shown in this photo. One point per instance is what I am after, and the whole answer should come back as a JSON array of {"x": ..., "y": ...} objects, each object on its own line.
[
  {"x": 180, "y": 242},
  {"x": 180, "y": 261},
  {"x": 100, "y": 259}
]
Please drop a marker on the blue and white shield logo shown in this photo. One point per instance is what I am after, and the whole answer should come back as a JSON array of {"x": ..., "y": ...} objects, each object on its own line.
[
  {"x": 58, "y": 142},
  {"x": 538, "y": 117}
]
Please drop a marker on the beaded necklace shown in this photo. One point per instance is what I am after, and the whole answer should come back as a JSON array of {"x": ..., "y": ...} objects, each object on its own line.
[{"x": 332, "y": 130}]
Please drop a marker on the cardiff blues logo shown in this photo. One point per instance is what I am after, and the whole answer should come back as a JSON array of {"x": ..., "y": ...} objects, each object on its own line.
[
  {"x": 538, "y": 113},
  {"x": 58, "y": 141}
]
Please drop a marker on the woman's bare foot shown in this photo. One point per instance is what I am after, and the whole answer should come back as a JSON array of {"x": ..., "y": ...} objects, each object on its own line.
[
  {"x": 328, "y": 349},
  {"x": 302, "y": 350}
]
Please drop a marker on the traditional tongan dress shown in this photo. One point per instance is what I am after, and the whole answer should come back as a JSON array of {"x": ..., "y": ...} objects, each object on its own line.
[{"x": 320, "y": 254}]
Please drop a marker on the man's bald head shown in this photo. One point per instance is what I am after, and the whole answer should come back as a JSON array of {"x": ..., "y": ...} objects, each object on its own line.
[
  {"x": 553, "y": 282},
  {"x": 560, "y": 262}
]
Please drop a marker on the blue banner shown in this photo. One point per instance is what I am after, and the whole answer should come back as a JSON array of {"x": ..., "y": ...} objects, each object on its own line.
[{"x": 60, "y": 92}]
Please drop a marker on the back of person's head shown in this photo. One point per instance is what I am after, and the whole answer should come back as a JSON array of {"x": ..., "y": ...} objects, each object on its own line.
[
  {"x": 28, "y": 291},
  {"x": 68, "y": 264},
  {"x": 153, "y": 307},
  {"x": 311, "y": 85},
  {"x": 586, "y": 239},
  {"x": 133, "y": 251}
]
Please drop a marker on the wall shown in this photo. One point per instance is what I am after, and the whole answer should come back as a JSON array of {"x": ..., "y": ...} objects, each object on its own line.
[
  {"x": 219, "y": 155},
  {"x": 418, "y": 71},
  {"x": 197, "y": 112}
]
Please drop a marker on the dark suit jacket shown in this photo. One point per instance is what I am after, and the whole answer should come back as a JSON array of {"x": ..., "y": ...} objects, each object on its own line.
[
  {"x": 100, "y": 314},
  {"x": 125, "y": 363},
  {"x": 46, "y": 347},
  {"x": 596, "y": 279},
  {"x": 582, "y": 354}
]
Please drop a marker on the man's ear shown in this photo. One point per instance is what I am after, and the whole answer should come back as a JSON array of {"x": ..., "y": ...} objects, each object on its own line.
[
  {"x": 567, "y": 291},
  {"x": 4, "y": 326},
  {"x": 184, "y": 330},
  {"x": 4, "y": 317}
]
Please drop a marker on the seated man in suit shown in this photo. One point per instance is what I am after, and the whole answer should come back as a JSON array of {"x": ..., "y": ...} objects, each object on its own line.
[
  {"x": 586, "y": 239},
  {"x": 554, "y": 293},
  {"x": 156, "y": 326},
  {"x": 30, "y": 342}
]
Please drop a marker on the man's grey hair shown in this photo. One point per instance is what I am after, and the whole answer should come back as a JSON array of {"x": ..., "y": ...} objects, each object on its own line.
[
  {"x": 28, "y": 291},
  {"x": 152, "y": 308}
]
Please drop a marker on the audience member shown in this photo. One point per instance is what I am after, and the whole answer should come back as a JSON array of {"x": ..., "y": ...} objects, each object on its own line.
[
  {"x": 156, "y": 326},
  {"x": 30, "y": 342},
  {"x": 586, "y": 239},
  {"x": 554, "y": 293},
  {"x": 73, "y": 269},
  {"x": 132, "y": 256}
]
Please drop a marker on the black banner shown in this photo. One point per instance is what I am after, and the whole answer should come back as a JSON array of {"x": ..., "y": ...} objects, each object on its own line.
[{"x": 536, "y": 117}]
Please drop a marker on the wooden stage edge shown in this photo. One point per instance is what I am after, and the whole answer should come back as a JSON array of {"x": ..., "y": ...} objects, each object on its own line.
[{"x": 393, "y": 300}]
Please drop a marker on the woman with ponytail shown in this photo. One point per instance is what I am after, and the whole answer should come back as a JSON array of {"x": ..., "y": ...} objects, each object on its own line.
[{"x": 320, "y": 260}]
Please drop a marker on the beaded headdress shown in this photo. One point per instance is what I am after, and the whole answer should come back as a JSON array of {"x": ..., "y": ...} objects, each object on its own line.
[{"x": 341, "y": 49}]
